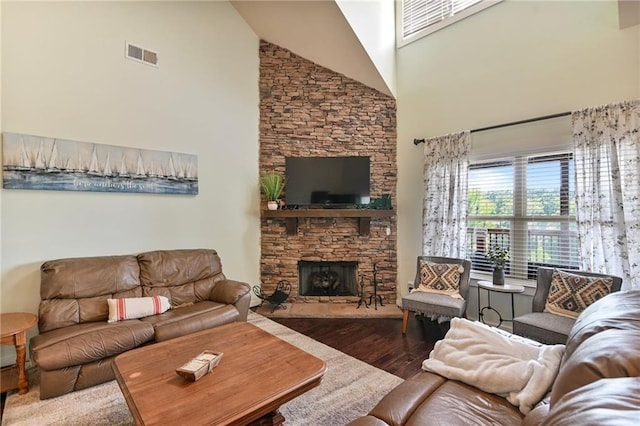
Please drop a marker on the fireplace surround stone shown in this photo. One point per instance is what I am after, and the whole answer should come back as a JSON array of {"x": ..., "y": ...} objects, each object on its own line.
[{"x": 308, "y": 110}]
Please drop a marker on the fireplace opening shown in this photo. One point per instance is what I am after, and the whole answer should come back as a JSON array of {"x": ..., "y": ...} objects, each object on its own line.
[{"x": 327, "y": 278}]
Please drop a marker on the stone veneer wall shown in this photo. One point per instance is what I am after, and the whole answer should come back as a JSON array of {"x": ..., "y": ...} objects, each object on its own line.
[{"x": 308, "y": 110}]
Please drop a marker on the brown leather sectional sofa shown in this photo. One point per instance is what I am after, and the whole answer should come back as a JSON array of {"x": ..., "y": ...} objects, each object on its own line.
[
  {"x": 76, "y": 344},
  {"x": 598, "y": 382}
]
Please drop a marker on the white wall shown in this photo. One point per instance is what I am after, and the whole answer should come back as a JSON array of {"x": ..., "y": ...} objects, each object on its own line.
[
  {"x": 373, "y": 21},
  {"x": 64, "y": 75},
  {"x": 516, "y": 60},
  {"x": 317, "y": 31}
]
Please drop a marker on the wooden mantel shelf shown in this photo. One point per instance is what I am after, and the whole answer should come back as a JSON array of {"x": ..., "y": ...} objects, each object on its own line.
[{"x": 292, "y": 216}]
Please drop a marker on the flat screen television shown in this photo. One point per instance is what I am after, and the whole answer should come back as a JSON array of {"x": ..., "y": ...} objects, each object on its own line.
[{"x": 327, "y": 181}]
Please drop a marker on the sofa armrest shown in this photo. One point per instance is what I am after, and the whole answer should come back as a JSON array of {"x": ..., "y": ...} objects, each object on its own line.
[
  {"x": 228, "y": 291},
  {"x": 396, "y": 407}
]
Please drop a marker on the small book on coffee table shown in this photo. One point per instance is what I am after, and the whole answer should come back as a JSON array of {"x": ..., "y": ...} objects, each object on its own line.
[{"x": 197, "y": 367}]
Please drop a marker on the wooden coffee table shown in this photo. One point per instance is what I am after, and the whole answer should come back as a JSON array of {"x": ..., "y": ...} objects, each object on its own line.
[{"x": 257, "y": 374}]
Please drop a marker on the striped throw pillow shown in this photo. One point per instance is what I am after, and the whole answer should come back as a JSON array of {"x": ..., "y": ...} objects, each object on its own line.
[{"x": 136, "y": 307}]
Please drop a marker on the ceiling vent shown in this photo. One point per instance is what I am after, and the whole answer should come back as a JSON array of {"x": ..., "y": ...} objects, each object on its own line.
[{"x": 140, "y": 54}]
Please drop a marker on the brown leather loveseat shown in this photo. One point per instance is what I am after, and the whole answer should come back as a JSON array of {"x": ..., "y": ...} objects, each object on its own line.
[
  {"x": 76, "y": 344},
  {"x": 598, "y": 382}
]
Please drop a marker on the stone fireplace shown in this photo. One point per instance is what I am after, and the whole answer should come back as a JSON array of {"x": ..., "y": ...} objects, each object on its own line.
[{"x": 308, "y": 110}]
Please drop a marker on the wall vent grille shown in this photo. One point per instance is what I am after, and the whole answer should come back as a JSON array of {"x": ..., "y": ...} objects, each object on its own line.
[{"x": 141, "y": 54}]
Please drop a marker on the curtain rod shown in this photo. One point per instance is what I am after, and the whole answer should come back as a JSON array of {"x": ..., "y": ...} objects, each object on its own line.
[{"x": 513, "y": 123}]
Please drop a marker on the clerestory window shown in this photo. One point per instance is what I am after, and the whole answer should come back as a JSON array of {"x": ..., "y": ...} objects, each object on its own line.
[{"x": 417, "y": 18}]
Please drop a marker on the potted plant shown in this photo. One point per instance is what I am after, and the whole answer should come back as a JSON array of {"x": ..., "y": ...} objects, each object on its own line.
[
  {"x": 498, "y": 256},
  {"x": 272, "y": 185}
]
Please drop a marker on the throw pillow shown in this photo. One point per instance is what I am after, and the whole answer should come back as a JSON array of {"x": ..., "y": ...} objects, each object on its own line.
[
  {"x": 570, "y": 294},
  {"x": 136, "y": 307},
  {"x": 441, "y": 278}
]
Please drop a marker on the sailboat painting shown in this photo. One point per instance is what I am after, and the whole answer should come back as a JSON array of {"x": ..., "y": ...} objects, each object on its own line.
[{"x": 44, "y": 163}]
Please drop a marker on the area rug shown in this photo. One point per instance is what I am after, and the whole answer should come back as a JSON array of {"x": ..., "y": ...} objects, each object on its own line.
[{"x": 349, "y": 389}]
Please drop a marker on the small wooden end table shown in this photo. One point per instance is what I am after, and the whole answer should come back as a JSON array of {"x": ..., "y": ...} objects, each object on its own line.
[
  {"x": 504, "y": 288},
  {"x": 13, "y": 331}
]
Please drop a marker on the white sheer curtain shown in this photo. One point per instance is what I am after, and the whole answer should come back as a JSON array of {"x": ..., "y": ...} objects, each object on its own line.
[
  {"x": 607, "y": 162},
  {"x": 444, "y": 220}
]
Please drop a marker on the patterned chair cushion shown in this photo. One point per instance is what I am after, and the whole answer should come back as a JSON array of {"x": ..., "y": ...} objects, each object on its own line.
[
  {"x": 570, "y": 294},
  {"x": 440, "y": 278}
]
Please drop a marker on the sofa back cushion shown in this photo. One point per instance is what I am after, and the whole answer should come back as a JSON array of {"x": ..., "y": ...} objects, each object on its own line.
[
  {"x": 609, "y": 354},
  {"x": 75, "y": 290},
  {"x": 184, "y": 276},
  {"x": 620, "y": 310},
  {"x": 605, "y": 402},
  {"x": 603, "y": 343}
]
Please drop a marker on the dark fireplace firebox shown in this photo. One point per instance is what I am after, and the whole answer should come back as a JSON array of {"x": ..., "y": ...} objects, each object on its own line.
[{"x": 327, "y": 278}]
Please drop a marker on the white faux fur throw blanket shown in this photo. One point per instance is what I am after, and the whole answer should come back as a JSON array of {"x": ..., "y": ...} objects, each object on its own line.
[{"x": 496, "y": 361}]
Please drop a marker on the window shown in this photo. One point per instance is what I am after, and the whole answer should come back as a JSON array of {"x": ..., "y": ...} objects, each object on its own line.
[
  {"x": 525, "y": 204},
  {"x": 418, "y": 18}
]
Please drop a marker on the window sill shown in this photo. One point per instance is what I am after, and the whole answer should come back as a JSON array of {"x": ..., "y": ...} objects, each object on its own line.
[{"x": 478, "y": 276}]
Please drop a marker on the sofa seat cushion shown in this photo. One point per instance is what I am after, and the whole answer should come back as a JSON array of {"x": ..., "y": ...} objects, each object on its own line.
[
  {"x": 88, "y": 342},
  {"x": 455, "y": 403},
  {"x": 190, "y": 319},
  {"x": 544, "y": 327},
  {"x": 429, "y": 398}
]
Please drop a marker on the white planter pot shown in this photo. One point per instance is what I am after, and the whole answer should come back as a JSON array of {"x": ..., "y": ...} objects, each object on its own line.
[{"x": 272, "y": 205}]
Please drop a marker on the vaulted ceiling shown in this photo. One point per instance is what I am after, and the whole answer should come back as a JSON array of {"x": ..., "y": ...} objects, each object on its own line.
[
  {"x": 354, "y": 38},
  {"x": 332, "y": 34}
]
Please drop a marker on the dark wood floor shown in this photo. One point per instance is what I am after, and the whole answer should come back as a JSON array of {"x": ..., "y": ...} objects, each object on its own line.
[{"x": 378, "y": 342}]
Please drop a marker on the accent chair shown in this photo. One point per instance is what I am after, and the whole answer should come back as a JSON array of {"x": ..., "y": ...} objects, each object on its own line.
[
  {"x": 547, "y": 327},
  {"x": 433, "y": 304}
]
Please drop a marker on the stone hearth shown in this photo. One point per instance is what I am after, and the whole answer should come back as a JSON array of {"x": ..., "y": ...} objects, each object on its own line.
[{"x": 330, "y": 310}]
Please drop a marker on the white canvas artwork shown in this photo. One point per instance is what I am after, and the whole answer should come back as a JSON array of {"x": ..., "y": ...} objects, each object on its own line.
[{"x": 36, "y": 162}]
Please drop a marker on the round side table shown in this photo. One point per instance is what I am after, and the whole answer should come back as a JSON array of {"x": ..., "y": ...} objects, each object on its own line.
[
  {"x": 505, "y": 288},
  {"x": 13, "y": 331}
]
